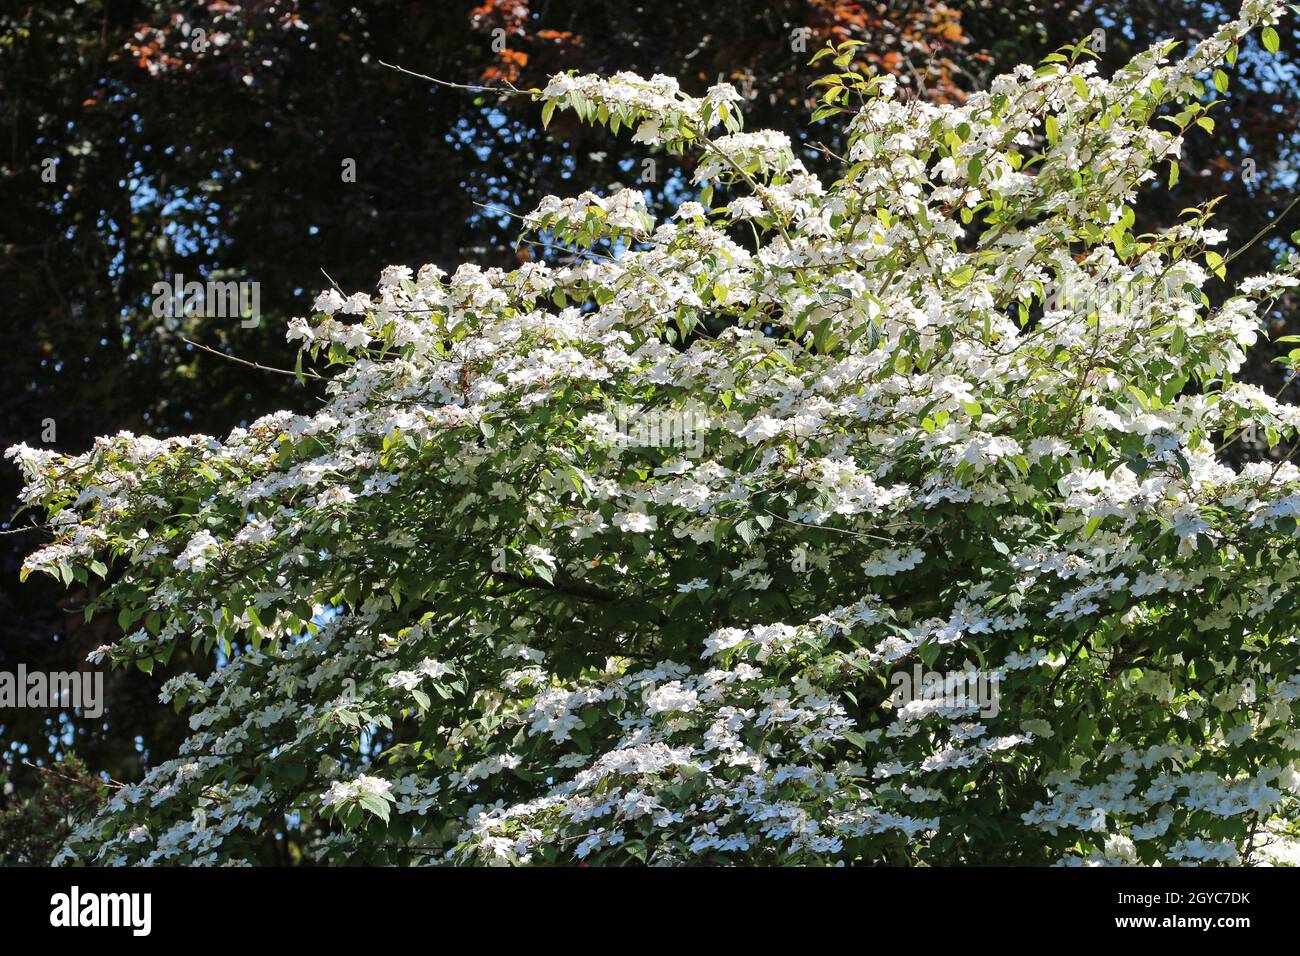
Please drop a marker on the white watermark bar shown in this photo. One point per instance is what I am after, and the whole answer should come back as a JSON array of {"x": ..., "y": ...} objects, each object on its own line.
[
  {"x": 682, "y": 428},
  {"x": 964, "y": 689},
  {"x": 213, "y": 299},
  {"x": 80, "y": 690},
  {"x": 77, "y": 909}
]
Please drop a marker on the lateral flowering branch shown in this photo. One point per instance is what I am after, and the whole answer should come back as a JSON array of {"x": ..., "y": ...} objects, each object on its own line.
[{"x": 915, "y": 451}]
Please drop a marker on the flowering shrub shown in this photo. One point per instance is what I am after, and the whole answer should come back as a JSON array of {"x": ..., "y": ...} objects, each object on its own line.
[{"x": 458, "y": 622}]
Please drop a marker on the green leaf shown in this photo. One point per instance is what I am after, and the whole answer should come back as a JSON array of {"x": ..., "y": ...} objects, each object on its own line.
[
  {"x": 376, "y": 805},
  {"x": 1215, "y": 262}
]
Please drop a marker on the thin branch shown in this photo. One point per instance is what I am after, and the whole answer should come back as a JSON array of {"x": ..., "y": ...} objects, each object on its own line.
[
  {"x": 821, "y": 527},
  {"x": 1269, "y": 227},
  {"x": 24, "y": 529},
  {"x": 572, "y": 588},
  {"x": 55, "y": 773},
  {"x": 580, "y": 590},
  {"x": 509, "y": 88},
  {"x": 259, "y": 367},
  {"x": 332, "y": 282},
  {"x": 1068, "y": 661}
]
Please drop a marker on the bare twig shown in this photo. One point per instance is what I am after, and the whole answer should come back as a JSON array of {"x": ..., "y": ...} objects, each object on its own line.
[
  {"x": 55, "y": 773},
  {"x": 259, "y": 367},
  {"x": 509, "y": 88},
  {"x": 1268, "y": 227}
]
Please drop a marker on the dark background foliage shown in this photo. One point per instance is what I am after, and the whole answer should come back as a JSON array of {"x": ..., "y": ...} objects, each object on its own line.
[{"x": 220, "y": 154}]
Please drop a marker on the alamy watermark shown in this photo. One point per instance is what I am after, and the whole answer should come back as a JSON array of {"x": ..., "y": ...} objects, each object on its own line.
[
  {"x": 76, "y": 909},
  {"x": 213, "y": 299},
  {"x": 682, "y": 428},
  {"x": 1131, "y": 300},
  {"x": 955, "y": 690},
  {"x": 83, "y": 690}
]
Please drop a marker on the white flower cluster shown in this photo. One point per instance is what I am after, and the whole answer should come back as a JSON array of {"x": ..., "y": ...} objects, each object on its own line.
[{"x": 449, "y": 608}]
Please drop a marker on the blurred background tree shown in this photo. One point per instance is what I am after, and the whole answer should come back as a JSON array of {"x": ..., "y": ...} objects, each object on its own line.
[{"x": 264, "y": 142}]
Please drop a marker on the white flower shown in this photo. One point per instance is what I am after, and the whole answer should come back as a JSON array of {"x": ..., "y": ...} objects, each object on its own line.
[
  {"x": 671, "y": 698},
  {"x": 635, "y": 522},
  {"x": 760, "y": 429},
  {"x": 328, "y": 302}
]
